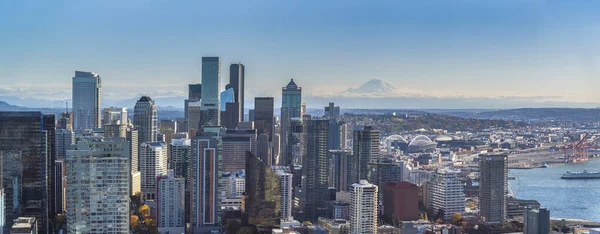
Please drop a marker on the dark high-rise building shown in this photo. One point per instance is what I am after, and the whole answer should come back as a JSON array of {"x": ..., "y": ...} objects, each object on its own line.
[
  {"x": 65, "y": 121},
  {"x": 59, "y": 192},
  {"x": 230, "y": 115},
  {"x": 263, "y": 148},
  {"x": 401, "y": 201},
  {"x": 493, "y": 187},
  {"x": 145, "y": 120},
  {"x": 87, "y": 101},
  {"x": 332, "y": 111},
  {"x": 211, "y": 85},
  {"x": 340, "y": 169},
  {"x": 235, "y": 144},
  {"x": 263, "y": 115},
  {"x": 205, "y": 161},
  {"x": 262, "y": 197},
  {"x": 251, "y": 115},
  {"x": 365, "y": 147},
  {"x": 536, "y": 221},
  {"x": 191, "y": 109},
  {"x": 194, "y": 91},
  {"x": 292, "y": 154},
  {"x": 236, "y": 81},
  {"x": 315, "y": 166},
  {"x": 291, "y": 107},
  {"x": 383, "y": 171},
  {"x": 27, "y": 154},
  {"x": 335, "y": 136}
]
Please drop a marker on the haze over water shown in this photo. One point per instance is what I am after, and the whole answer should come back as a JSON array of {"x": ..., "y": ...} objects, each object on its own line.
[{"x": 565, "y": 198}]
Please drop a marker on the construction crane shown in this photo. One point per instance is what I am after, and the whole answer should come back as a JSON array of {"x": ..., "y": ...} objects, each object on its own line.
[{"x": 577, "y": 152}]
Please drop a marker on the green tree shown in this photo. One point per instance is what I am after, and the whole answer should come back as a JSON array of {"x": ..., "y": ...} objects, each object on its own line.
[{"x": 456, "y": 219}]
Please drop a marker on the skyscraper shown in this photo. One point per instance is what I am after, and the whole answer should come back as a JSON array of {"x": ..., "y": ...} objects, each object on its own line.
[
  {"x": 27, "y": 154},
  {"x": 204, "y": 173},
  {"x": 192, "y": 109},
  {"x": 286, "y": 188},
  {"x": 315, "y": 166},
  {"x": 145, "y": 120},
  {"x": 294, "y": 147},
  {"x": 211, "y": 85},
  {"x": 87, "y": 101},
  {"x": 180, "y": 163},
  {"x": 263, "y": 116},
  {"x": 65, "y": 121},
  {"x": 365, "y": 147},
  {"x": 332, "y": 111},
  {"x": 64, "y": 139},
  {"x": 447, "y": 194},
  {"x": 493, "y": 187},
  {"x": 229, "y": 109},
  {"x": 153, "y": 163},
  {"x": 97, "y": 186},
  {"x": 536, "y": 221},
  {"x": 170, "y": 204},
  {"x": 235, "y": 144},
  {"x": 59, "y": 192},
  {"x": 340, "y": 169},
  {"x": 291, "y": 107},
  {"x": 236, "y": 81},
  {"x": 263, "y": 148},
  {"x": 262, "y": 199},
  {"x": 363, "y": 208}
]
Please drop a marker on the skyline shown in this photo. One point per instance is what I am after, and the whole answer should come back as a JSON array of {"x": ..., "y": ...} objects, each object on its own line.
[{"x": 461, "y": 52}]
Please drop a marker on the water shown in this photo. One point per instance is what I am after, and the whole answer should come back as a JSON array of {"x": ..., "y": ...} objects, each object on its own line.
[{"x": 565, "y": 198}]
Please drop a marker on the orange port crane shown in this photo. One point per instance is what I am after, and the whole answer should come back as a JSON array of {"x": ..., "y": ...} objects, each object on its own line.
[{"x": 577, "y": 151}]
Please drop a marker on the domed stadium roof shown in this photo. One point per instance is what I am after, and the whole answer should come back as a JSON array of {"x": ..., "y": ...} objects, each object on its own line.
[{"x": 443, "y": 138}]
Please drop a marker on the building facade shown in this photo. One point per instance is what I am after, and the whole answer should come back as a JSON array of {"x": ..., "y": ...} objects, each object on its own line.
[
  {"x": 153, "y": 163},
  {"x": 363, "y": 208},
  {"x": 235, "y": 144},
  {"x": 211, "y": 86},
  {"x": 447, "y": 193},
  {"x": 204, "y": 180},
  {"x": 493, "y": 187},
  {"x": 145, "y": 120},
  {"x": 170, "y": 203},
  {"x": 365, "y": 147},
  {"x": 315, "y": 167},
  {"x": 87, "y": 101},
  {"x": 290, "y": 108},
  {"x": 401, "y": 201},
  {"x": 97, "y": 186}
]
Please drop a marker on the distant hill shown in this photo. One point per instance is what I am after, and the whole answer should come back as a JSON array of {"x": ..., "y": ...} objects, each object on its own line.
[{"x": 538, "y": 114}]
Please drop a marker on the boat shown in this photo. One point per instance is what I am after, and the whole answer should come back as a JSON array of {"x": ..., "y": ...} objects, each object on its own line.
[
  {"x": 581, "y": 175},
  {"x": 545, "y": 165}
]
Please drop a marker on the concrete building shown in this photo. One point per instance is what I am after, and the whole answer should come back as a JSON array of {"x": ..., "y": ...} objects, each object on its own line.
[
  {"x": 365, "y": 148},
  {"x": 235, "y": 144},
  {"x": 290, "y": 108},
  {"x": 363, "y": 208},
  {"x": 447, "y": 194},
  {"x": 536, "y": 221},
  {"x": 136, "y": 176},
  {"x": 211, "y": 86},
  {"x": 114, "y": 115},
  {"x": 237, "y": 184},
  {"x": 315, "y": 166},
  {"x": 335, "y": 226},
  {"x": 180, "y": 156},
  {"x": 286, "y": 188},
  {"x": 401, "y": 201},
  {"x": 145, "y": 120},
  {"x": 170, "y": 203},
  {"x": 153, "y": 163},
  {"x": 493, "y": 187},
  {"x": 24, "y": 225},
  {"x": 97, "y": 186},
  {"x": 205, "y": 207},
  {"x": 87, "y": 101},
  {"x": 340, "y": 169}
]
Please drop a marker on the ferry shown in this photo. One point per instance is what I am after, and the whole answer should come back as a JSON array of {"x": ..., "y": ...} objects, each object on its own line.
[{"x": 581, "y": 175}]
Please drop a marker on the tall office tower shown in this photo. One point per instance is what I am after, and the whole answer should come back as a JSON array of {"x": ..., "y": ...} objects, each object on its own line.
[
  {"x": 170, "y": 204},
  {"x": 262, "y": 199},
  {"x": 64, "y": 139},
  {"x": 136, "y": 176},
  {"x": 114, "y": 115},
  {"x": 384, "y": 170},
  {"x": 179, "y": 162},
  {"x": 229, "y": 109},
  {"x": 303, "y": 109},
  {"x": 286, "y": 188},
  {"x": 263, "y": 116},
  {"x": 153, "y": 163},
  {"x": 365, "y": 147},
  {"x": 263, "y": 148},
  {"x": 344, "y": 135},
  {"x": 59, "y": 190},
  {"x": 27, "y": 152},
  {"x": 97, "y": 186},
  {"x": 446, "y": 193},
  {"x": 145, "y": 120},
  {"x": 315, "y": 166},
  {"x": 236, "y": 81},
  {"x": 192, "y": 109},
  {"x": 294, "y": 143},
  {"x": 536, "y": 221},
  {"x": 87, "y": 101},
  {"x": 168, "y": 128},
  {"x": 335, "y": 136},
  {"x": 204, "y": 173},
  {"x": 65, "y": 121},
  {"x": 340, "y": 169},
  {"x": 290, "y": 108},
  {"x": 332, "y": 111},
  {"x": 211, "y": 84},
  {"x": 493, "y": 187},
  {"x": 401, "y": 201},
  {"x": 363, "y": 208},
  {"x": 235, "y": 144}
]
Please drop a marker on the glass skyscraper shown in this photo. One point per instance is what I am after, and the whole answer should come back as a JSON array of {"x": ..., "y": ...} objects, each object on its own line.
[
  {"x": 145, "y": 120},
  {"x": 227, "y": 96},
  {"x": 316, "y": 166},
  {"x": 291, "y": 107},
  {"x": 211, "y": 84},
  {"x": 236, "y": 81},
  {"x": 87, "y": 101}
]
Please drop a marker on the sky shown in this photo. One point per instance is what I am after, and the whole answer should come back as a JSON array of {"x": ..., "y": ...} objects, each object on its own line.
[{"x": 531, "y": 49}]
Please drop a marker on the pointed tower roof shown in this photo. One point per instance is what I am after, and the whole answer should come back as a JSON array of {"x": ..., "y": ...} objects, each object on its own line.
[{"x": 292, "y": 84}]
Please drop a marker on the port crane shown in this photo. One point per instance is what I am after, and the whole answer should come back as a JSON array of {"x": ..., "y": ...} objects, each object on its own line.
[{"x": 577, "y": 151}]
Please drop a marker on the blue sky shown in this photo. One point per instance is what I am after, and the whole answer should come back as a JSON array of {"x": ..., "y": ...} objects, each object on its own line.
[{"x": 544, "y": 50}]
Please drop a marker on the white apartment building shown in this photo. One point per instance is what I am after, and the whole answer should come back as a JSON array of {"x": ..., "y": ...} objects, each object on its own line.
[
  {"x": 446, "y": 192},
  {"x": 363, "y": 208}
]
